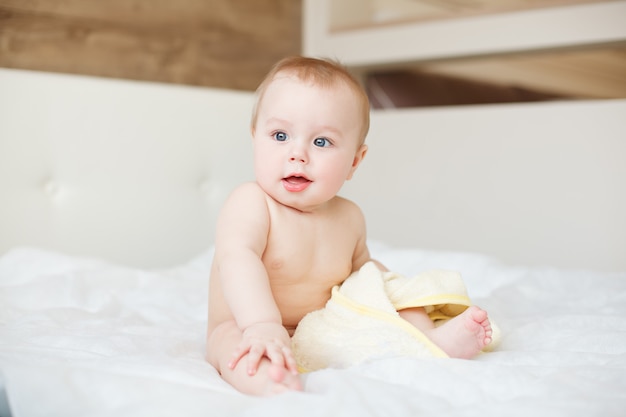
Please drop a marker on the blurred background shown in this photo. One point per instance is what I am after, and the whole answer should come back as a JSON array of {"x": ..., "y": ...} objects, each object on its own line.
[
  {"x": 232, "y": 44},
  {"x": 217, "y": 43}
]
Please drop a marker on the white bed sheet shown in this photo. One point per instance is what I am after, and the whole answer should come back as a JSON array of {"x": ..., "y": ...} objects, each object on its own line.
[{"x": 83, "y": 337}]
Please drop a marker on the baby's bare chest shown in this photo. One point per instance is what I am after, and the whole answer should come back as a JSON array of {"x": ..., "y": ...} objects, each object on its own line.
[
  {"x": 305, "y": 257},
  {"x": 302, "y": 273},
  {"x": 302, "y": 255},
  {"x": 309, "y": 252},
  {"x": 300, "y": 243}
]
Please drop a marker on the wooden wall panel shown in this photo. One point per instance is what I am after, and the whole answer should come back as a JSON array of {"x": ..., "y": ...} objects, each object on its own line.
[{"x": 217, "y": 43}]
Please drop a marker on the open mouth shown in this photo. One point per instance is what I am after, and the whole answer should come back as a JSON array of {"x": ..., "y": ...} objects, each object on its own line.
[
  {"x": 296, "y": 183},
  {"x": 296, "y": 179}
]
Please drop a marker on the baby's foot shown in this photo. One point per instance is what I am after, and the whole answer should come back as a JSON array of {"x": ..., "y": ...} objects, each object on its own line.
[
  {"x": 283, "y": 381},
  {"x": 465, "y": 335}
]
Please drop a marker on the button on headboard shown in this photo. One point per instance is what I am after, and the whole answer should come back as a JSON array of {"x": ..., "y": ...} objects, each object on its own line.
[{"x": 131, "y": 172}]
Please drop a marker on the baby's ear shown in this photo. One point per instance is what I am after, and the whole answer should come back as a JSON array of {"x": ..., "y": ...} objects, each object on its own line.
[{"x": 358, "y": 157}]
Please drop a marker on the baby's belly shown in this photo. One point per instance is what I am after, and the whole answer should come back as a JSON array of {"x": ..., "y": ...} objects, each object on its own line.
[
  {"x": 294, "y": 307},
  {"x": 297, "y": 294}
]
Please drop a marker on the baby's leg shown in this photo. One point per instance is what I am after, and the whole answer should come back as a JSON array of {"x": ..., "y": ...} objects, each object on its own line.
[
  {"x": 269, "y": 379},
  {"x": 463, "y": 336}
]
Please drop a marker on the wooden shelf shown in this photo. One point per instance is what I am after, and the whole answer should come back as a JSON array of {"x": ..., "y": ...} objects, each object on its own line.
[{"x": 565, "y": 46}]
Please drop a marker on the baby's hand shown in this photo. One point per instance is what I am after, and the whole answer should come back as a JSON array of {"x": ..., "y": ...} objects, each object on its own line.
[{"x": 269, "y": 340}]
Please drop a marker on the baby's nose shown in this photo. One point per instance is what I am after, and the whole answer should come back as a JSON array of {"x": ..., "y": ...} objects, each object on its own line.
[
  {"x": 297, "y": 158},
  {"x": 298, "y": 154}
]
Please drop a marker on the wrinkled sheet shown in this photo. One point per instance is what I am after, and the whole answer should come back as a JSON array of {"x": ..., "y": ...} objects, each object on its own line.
[{"x": 82, "y": 337}]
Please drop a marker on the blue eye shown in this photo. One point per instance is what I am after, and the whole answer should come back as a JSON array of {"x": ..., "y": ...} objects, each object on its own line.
[
  {"x": 280, "y": 136},
  {"x": 321, "y": 142}
]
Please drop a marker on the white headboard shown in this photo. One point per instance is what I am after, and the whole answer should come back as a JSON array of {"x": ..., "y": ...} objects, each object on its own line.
[
  {"x": 130, "y": 171},
  {"x": 135, "y": 172},
  {"x": 535, "y": 184}
]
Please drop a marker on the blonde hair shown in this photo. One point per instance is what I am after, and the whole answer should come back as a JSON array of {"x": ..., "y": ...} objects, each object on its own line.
[{"x": 321, "y": 72}]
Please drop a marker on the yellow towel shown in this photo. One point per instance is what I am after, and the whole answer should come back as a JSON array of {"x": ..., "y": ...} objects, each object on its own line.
[{"x": 360, "y": 322}]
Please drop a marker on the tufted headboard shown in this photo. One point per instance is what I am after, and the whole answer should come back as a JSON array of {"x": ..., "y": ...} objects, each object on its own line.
[
  {"x": 130, "y": 171},
  {"x": 135, "y": 173}
]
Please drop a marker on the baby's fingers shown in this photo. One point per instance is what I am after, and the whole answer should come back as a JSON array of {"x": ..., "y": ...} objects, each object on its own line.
[
  {"x": 290, "y": 362},
  {"x": 255, "y": 354},
  {"x": 282, "y": 356},
  {"x": 238, "y": 353}
]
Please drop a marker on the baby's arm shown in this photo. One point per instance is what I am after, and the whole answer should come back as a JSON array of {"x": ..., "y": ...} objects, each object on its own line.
[
  {"x": 241, "y": 238},
  {"x": 361, "y": 253}
]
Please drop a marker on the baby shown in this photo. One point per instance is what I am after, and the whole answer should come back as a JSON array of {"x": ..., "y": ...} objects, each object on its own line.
[{"x": 284, "y": 241}]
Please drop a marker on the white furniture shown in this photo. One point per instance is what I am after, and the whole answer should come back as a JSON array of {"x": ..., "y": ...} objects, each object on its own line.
[
  {"x": 104, "y": 167},
  {"x": 575, "y": 48},
  {"x": 569, "y": 26}
]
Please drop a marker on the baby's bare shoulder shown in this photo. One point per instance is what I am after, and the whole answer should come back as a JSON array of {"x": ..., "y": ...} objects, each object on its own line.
[
  {"x": 346, "y": 207},
  {"x": 246, "y": 197},
  {"x": 345, "y": 204},
  {"x": 244, "y": 210},
  {"x": 250, "y": 190}
]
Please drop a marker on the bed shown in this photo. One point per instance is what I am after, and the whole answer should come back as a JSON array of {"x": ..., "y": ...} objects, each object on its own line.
[{"x": 109, "y": 195}]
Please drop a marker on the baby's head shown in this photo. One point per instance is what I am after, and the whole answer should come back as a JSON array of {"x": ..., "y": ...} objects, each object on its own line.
[
  {"x": 308, "y": 129},
  {"x": 320, "y": 73}
]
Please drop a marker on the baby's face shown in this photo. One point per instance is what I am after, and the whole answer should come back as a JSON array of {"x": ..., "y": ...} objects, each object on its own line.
[{"x": 306, "y": 141}]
